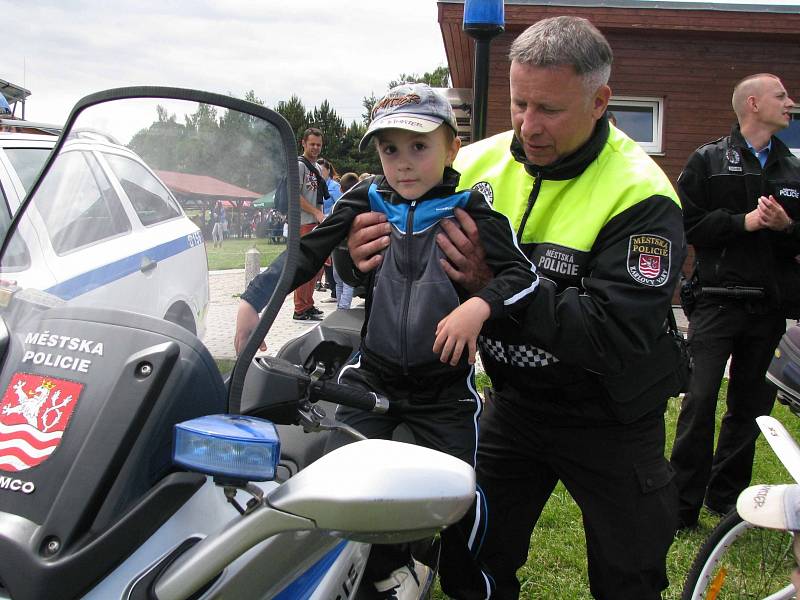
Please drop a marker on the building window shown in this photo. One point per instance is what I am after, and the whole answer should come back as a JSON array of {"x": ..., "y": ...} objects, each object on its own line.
[
  {"x": 791, "y": 135},
  {"x": 641, "y": 118}
]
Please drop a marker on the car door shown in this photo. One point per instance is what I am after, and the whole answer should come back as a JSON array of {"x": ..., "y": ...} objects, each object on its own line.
[
  {"x": 89, "y": 241},
  {"x": 172, "y": 245}
]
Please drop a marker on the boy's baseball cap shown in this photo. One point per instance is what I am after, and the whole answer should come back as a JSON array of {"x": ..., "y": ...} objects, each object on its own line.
[
  {"x": 771, "y": 506},
  {"x": 411, "y": 106}
]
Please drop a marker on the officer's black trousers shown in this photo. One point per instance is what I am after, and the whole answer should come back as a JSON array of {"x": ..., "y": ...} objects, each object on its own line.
[
  {"x": 718, "y": 331},
  {"x": 617, "y": 475}
]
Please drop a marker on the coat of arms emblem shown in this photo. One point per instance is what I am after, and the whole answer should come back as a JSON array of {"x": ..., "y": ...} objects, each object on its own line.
[{"x": 34, "y": 413}]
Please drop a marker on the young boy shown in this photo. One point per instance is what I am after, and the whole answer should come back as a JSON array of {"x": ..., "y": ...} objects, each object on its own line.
[{"x": 420, "y": 331}]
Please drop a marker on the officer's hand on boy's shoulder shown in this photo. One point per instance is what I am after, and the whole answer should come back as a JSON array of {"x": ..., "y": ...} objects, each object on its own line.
[
  {"x": 466, "y": 257},
  {"x": 368, "y": 237}
]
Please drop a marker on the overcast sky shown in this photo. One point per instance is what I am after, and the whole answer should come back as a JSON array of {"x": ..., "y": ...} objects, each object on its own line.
[{"x": 341, "y": 50}]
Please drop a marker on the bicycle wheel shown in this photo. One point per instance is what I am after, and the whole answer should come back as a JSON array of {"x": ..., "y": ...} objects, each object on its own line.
[{"x": 739, "y": 560}]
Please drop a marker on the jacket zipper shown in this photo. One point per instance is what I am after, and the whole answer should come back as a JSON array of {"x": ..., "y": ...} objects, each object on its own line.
[
  {"x": 407, "y": 292},
  {"x": 537, "y": 185}
]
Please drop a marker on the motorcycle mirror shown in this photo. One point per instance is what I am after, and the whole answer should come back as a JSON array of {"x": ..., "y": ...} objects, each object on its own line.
[
  {"x": 380, "y": 491},
  {"x": 129, "y": 164}
]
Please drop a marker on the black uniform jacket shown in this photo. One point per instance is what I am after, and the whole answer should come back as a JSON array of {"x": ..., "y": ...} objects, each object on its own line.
[{"x": 721, "y": 182}]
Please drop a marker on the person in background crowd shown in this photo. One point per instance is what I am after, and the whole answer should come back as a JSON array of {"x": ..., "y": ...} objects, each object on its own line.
[
  {"x": 740, "y": 208},
  {"x": 344, "y": 292},
  {"x": 311, "y": 195},
  {"x": 581, "y": 377},
  {"x": 216, "y": 225},
  {"x": 330, "y": 176}
]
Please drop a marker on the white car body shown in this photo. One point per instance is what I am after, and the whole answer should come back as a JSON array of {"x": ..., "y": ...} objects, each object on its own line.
[{"x": 152, "y": 264}]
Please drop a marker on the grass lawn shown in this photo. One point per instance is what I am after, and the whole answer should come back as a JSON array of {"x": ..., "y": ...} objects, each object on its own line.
[
  {"x": 231, "y": 255},
  {"x": 556, "y": 567}
]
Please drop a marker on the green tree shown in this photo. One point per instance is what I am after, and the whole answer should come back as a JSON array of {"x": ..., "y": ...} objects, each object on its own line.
[
  {"x": 368, "y": 102},
  {"x": 294, "y": 111},
  {"x": 439, "y": 77},
  {"x": 333, "y": 130}
]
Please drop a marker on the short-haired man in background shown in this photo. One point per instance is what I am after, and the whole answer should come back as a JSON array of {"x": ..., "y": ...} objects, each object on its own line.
[{"x": 741, "y": 197}]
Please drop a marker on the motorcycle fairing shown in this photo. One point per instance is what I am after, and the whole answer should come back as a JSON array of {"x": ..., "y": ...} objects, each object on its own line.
[{"x": 110, "y": 483}]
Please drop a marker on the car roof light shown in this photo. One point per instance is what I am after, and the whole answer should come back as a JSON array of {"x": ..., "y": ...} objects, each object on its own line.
[{"x": 232, "y": 447}]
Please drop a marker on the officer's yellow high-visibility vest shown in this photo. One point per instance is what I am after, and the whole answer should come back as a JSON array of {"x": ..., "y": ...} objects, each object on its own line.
[{"x": 569, "y": 212}]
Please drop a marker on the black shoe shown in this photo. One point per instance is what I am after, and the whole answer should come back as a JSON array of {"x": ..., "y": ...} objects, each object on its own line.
[
  {"x": 306, "y": 316},
  {"x": 315, "y": 311}
]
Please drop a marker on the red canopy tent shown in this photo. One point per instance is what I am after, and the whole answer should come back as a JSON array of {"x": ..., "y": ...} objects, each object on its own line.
[{"x": 204, "y": 191}]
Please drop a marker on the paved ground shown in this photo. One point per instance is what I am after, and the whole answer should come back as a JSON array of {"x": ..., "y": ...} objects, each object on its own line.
[{"x": 225, "y": 289}]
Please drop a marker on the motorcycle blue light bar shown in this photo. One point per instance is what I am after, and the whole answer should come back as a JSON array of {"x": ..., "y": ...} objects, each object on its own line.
[{"x": 230, "y": 446}]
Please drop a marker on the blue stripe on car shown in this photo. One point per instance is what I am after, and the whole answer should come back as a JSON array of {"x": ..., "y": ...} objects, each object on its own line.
[
  {"x": 304, "y": 586},
  {"x": 426, "y": 213},
  {"x": 86, "y": 282}
]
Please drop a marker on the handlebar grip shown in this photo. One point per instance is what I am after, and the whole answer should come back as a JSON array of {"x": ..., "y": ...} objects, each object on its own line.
[{"x": 349, "y": 396}]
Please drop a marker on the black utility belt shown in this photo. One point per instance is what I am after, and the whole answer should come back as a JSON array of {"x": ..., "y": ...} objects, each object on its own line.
[{"x": 735, "y": 292}]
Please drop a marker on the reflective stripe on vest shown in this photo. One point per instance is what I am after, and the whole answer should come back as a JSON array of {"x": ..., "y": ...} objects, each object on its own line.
[{"x": 572, "y": 212}]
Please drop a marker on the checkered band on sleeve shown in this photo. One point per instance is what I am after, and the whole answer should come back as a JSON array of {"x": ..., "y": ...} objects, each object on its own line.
[{"x": 516, "y": 355}]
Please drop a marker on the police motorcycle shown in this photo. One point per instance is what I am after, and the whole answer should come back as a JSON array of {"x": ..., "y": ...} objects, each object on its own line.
[{"x": 128, "y": 468}]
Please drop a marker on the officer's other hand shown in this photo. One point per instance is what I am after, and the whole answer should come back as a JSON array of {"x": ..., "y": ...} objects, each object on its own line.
[
  {"x": 246, "y": 321},
  {"x": 772, "y": 214},
  {"x": 368, "y": 237},
  {"x": 466, "y": 257},
  {"x": 753, "y": 221}
]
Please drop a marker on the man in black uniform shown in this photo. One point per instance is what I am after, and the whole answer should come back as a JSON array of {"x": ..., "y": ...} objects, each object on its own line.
[
  {"x": 582, "y": 375},
  {"x": 740, "y": 196}
]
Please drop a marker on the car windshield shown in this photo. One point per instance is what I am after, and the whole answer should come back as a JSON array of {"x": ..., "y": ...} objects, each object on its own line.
[{"x": 121, "y": 217}]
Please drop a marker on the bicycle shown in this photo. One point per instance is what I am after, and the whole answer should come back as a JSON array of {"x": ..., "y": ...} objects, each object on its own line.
[{"x": 741, "y": 559}]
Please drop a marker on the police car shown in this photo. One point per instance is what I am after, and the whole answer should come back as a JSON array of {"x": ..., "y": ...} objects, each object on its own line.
[{"x": 120, "y": 238}]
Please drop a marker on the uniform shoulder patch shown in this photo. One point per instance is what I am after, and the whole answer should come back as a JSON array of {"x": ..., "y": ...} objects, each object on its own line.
[
  {"x": 485, "y": 188},
  {"x": 649, "y": 259}
]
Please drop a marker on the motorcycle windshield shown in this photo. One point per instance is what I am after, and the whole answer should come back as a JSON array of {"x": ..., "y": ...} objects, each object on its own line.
[{"x": 133, "y": 200}]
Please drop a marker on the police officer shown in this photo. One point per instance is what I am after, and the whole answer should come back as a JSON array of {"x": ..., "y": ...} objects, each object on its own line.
[
  {"x": 741, "y": 194},
  {"x": 581, "y": 378}
]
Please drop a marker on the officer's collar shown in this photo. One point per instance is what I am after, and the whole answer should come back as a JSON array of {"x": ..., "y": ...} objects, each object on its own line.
[
  {"x": 777, "y": 147},
  {"x": 450, "y": 179},
  {"x": 570, "y": 166}
]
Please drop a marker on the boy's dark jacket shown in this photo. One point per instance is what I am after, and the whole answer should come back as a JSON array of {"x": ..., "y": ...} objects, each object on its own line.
[{"x": 410, "y": 293}]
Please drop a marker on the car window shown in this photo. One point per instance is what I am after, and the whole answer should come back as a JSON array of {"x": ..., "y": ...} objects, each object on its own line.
[
  {"x": 27, "y": 162},
  {"x": 17, "y": 253},
  {"x": 78, "y": 204},
  {"x": 151, "y": 200}
]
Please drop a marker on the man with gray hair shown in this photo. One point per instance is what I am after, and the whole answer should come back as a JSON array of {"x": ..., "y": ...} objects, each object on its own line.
[
  {"x": 740, "y": 195},
  {"x": 581, "y": 376}
]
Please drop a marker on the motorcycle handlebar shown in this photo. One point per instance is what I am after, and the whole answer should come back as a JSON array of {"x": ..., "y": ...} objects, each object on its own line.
[{"x": 349, "y": 396}]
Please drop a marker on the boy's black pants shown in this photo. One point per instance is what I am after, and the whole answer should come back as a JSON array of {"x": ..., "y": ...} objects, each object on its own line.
[{"x": 439, "y": 413}]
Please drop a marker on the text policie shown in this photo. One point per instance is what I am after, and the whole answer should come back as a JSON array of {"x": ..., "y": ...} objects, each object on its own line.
[{"x": 61, "y": 359}]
